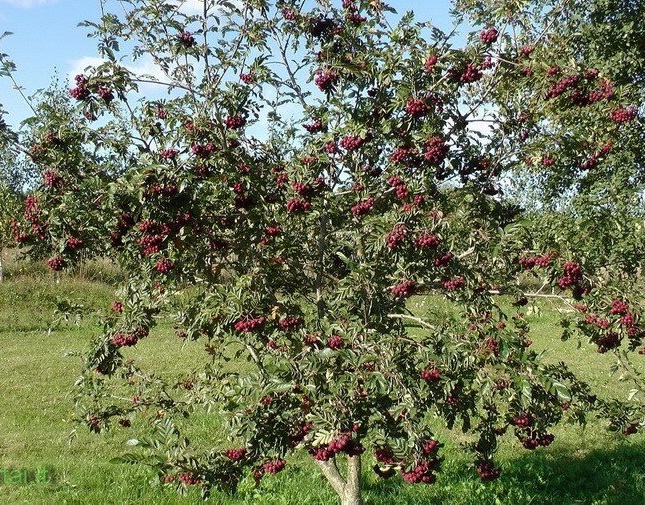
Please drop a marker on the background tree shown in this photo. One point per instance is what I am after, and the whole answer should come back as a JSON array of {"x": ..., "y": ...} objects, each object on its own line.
[{"x": 293, "y": 239}]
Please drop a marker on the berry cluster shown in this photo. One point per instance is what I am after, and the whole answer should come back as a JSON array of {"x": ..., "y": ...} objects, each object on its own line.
[
  {"x": 443, "y": 260},
  {"x": 342, "y": 443},
  {"x": 249, "y": 324},
  {"x": 81, "y": 91},
  {"x": 124, "y": 339},
  {"x": 203, "y": 150},
  {"x": 422, "y": 472},
  {"x": 408, "y": 156},
  {"x": 400, "y": 188},
  {"x": 326, "y": 80},
  {"x": 467, "y": 74},
  {"x": 189, "y": 479},
  {"x": 56, "y": 263},
  {"x": 105, "y": 94},
  {"x": 74, "y": 243},
  {"x": 488, "y": 35},
  {"x": 363, "y": 207},
  {"x": 430, "y": 374},
  {"x": 403, "y": 289},
  {"x": 247, "y": 78},
  {"x": 351, "y": 142},
  {"x": 454, "y": 284},
  {"x": 425, "y": 240},
  {"x": 623, "y": 115},
  {"x": 168, "y": 154},
  {"x": 290, "y": 323},
  {"x": 52, "y": 179},
  {"x": 335, "y": 342},
  {"x": 487, "y": 471},
  {"x": 533, "y": 439},
  {"x": 397, "y": 236},
  {"x": 164, "y": 266},
  {"x": 572, "y": 275},
  {"x": 235, "y": 454},
  {"x": 429, "y": 64},
  {"x": 234, "y": 122},
  {"x": 314, "y": 127},
  {"x": 273, "y": 466},
  {"x": 529, "y": 262},
  {"x": 298, "y": 205},
  {"x": 186, "y": 39},
  {"x": 435, "y": 150},
  {"x": 417, "y": 107},
  {"x": 117, "y": 307}
]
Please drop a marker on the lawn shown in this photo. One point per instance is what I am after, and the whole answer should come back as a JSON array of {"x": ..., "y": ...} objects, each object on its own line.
[{"x": 589, "y": 465}]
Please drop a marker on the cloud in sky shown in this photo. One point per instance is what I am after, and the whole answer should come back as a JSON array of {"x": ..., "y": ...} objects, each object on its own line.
[{"x": 26, "y": 4}]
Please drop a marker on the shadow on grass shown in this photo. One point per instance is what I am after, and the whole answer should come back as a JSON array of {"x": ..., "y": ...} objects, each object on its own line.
[{"x": 612, "y": 476}]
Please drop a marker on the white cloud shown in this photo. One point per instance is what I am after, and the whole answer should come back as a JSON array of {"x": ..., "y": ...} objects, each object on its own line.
[{"x": 26, "y": 4}]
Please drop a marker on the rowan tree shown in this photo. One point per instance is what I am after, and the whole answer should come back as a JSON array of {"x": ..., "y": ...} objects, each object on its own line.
[{"x": 313, "y": 166}]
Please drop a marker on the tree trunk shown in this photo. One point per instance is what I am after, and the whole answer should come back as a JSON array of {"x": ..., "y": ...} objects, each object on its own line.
[
  {"x": 1, "y": 266},
  {"x": 348, "y": 490},
  {"x": 352, "y": 492}
]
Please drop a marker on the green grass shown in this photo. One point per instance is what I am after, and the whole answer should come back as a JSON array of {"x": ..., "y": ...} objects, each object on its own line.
[{"x": 589, "y": 466}]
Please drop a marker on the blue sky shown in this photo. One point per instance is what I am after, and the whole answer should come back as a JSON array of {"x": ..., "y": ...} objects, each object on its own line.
[{"x": 46, "y": 40}]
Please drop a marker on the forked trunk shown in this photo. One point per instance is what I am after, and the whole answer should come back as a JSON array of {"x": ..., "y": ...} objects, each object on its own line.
[{"x": 349, "y": 489}]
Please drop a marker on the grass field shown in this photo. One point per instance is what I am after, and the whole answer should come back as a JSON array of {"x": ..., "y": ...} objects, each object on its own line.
[{"x": 589, "y": 466}]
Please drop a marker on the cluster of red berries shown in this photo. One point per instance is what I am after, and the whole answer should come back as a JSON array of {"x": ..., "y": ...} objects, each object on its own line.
[
  {"x": 235, "y": 454},
  {"x": 52, "y": 179},
  {"x": 422, "y": 472},
  {"x": 417, "y": 107},
  {"x": 56, "y": 263},
  {"x": 273, "y": 466},
  {"x": 489, "y": 35},
  {"x": 491, "y": 345},
  {"x": 408, "y": 156},
  {"x": 403, "y": 289},
  {"x": 430, "y": 63},
  {"x": 168, "y": 154},
  {"x": 314, "y": 127},
  {"x": 532, "y": 439},
  {"x": 290, "y": 323},
  {"x": 619, "y": 307},
  {"x": 250, "y": 324},
  {"x": 430, "y": 374},
  {"x": 351, "y": 142},
  {"x": 105, "y": 94},
  {"x": 117, "y": 307},
  {"x": 186, "y": 39},
  {"x": 81, "y": 91},
  {"x": 487, "y": 471},
  {"x": 608, "y": 341},
  {"x": 397, "y": 236},
  {"x": 164, "y": 266},
  {"x": 189, "y": 479},
  {"x": 326, "y": 80},
  {"x": 234, "y": 122},
  {"x": 623, "y": 115},
  {"x": 467, "y": 74},
  {"x": 289, "y": 15},
  {"x": 443, "y": 260},
  {"x": 529, "y": 262},
  {"x": 247, "y": 78},
  {"x": 342, "y": 443},
  {"x": 335, "y": 342},
  {"x": 363, "y": 207},
  {"x": 435, "y": 150},
  {"x": 425, "y": 240},
  {"x": 203, "y": 150},
  {"x": 164, "y": 190},
  {"x": 400, "y": 188},
  {"x": 572, "y": 275},
  {"x": 124, "y": 339},
  {"x": 74, "y": 243},
  {"x": 454, "y": 284},
  {"x": 298, "y": 205}
]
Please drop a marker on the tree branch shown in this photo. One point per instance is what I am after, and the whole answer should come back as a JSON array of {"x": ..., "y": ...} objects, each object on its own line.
[{"x": 330, "y": 471}]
